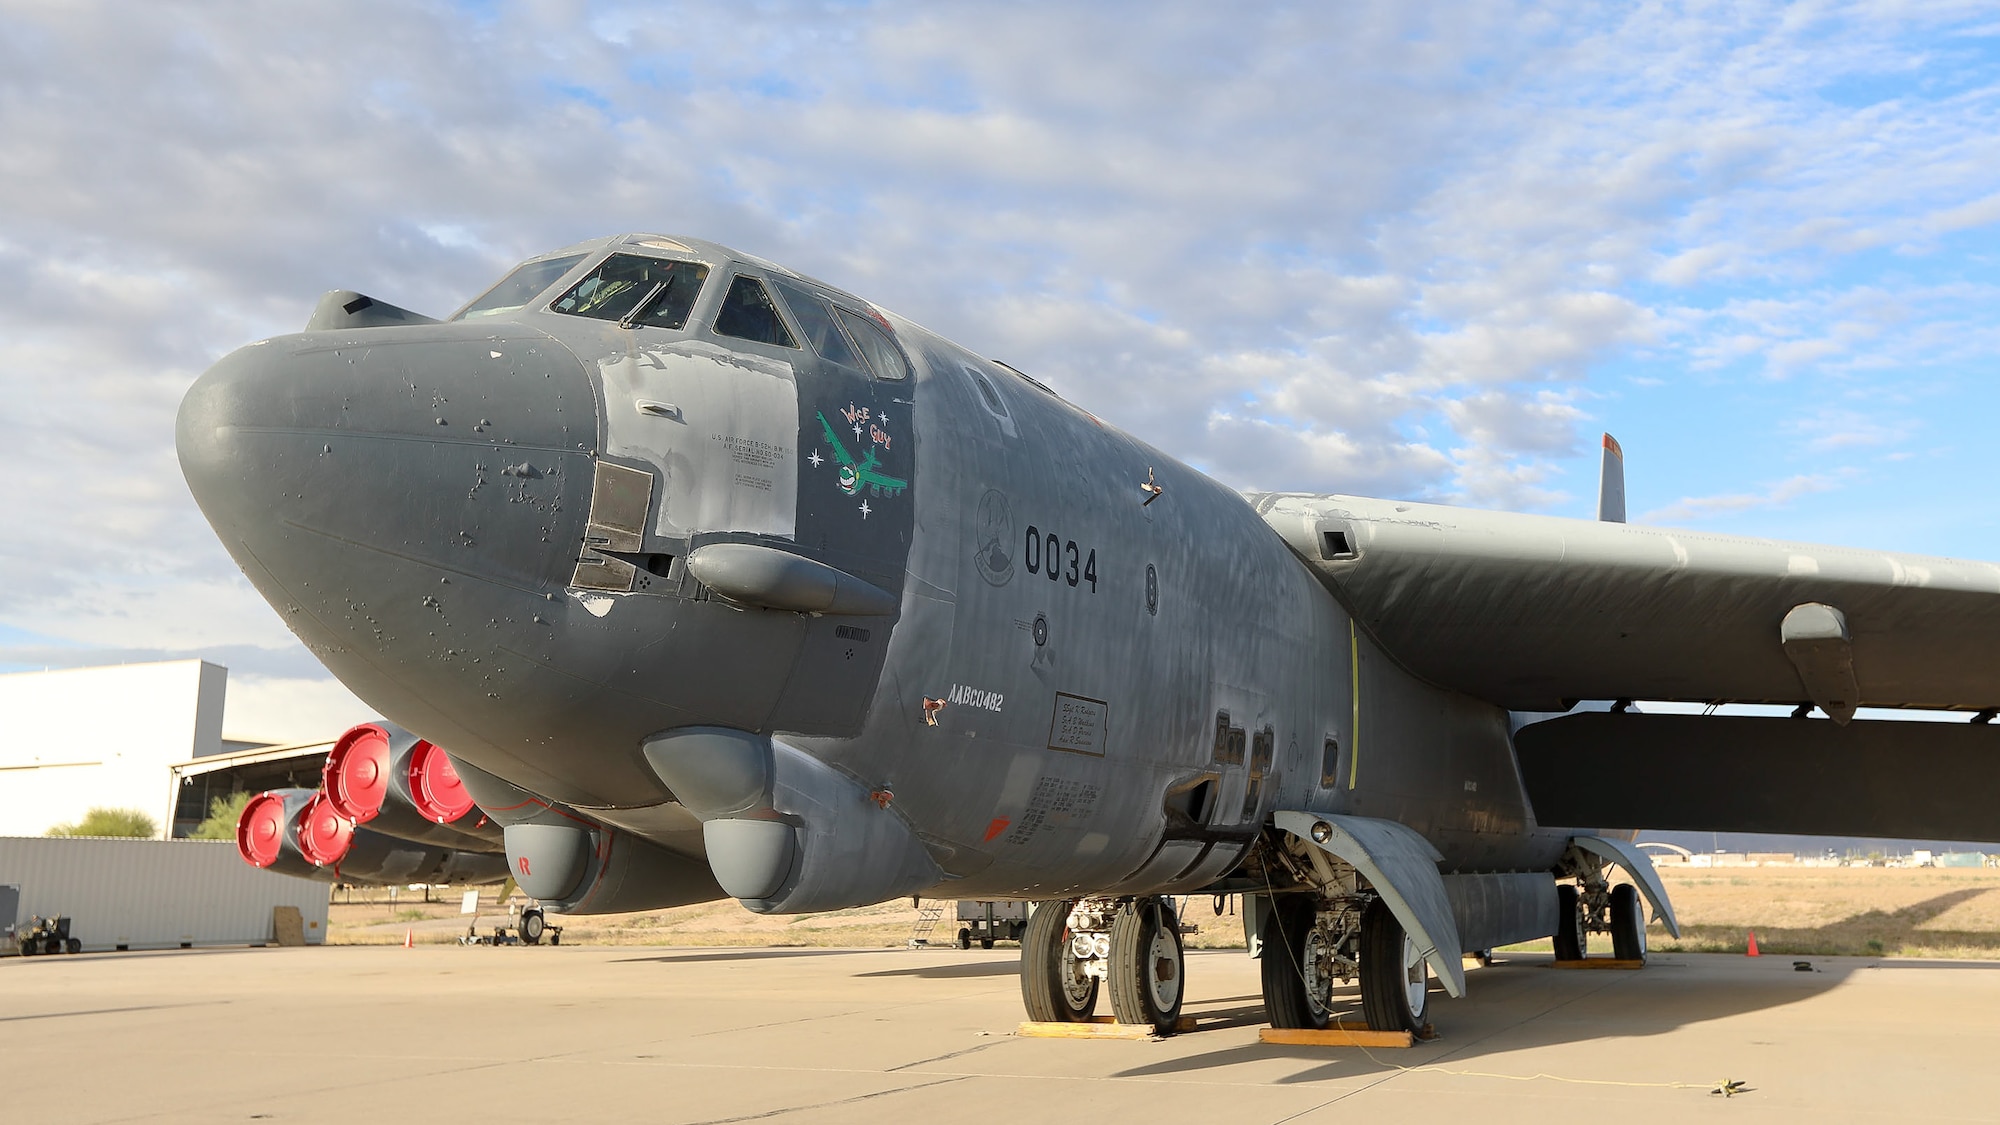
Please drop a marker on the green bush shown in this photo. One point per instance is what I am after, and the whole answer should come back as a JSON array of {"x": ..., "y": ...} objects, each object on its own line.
[
  {"x": 109, "y": 822},
  {"x": 223, "y": 813}
]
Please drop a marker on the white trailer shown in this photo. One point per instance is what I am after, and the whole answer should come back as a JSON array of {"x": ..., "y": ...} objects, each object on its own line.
[{"x": 154, "y": 894}]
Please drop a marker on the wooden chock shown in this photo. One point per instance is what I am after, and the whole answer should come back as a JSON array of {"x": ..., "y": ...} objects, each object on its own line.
[
  {"x": 1099, "y": 1027},
  {"x": 1336, "y": 1036},
  {"x": 1599, "y": 963}
]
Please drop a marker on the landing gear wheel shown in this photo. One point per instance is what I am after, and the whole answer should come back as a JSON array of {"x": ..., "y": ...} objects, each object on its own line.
[
  {"x": 74, "y": 945},
  {"x": 1628, "y": 924},
  {"x": 1570, "y": 940},
  {"x": 964, "y": 938},
  {"x": 532, "y": 925},
  {"x": 1298, "y": 982},
  {"x": 1146, "y": 965},
  {"x": 1054, "y": 987},
  {"x": 1395, "y": 978}
]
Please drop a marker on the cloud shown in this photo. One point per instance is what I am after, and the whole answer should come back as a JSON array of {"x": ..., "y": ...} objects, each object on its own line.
[
  {"x": 1831, "y": 429},
  {"x": 1690, "y": 509},
  {"x": 1379, "y": 248}
]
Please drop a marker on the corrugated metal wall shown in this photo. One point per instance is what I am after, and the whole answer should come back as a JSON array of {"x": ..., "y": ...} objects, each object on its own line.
[{"x": 154, "y": 894}]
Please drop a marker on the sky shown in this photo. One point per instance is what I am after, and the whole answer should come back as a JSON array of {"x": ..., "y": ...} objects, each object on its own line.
[{"x": 1389, "y": 249}]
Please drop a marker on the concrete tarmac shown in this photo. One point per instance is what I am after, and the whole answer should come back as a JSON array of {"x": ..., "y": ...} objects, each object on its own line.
[{"x": 444, "y": 1033}]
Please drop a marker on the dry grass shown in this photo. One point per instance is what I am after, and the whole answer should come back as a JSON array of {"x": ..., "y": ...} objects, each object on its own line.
[
  {"x": 1815, "y": 911},
  {"x": 1861, "y": 911}
]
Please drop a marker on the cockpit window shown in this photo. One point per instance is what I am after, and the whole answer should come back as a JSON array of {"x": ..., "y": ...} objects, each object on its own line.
[
  {"x": 814, "y": 316},
  {"x": 748, "y": 314},
  {"x": 635, "y": 290},
  {"x": 518, "y": 288},
  {"x": 883, "y": 357}
]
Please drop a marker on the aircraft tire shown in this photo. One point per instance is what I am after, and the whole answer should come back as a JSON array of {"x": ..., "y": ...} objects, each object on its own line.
[
  {"x": 532, "y": 926},
  {"x": 1570, "y": 940},
  {"x": 1628, "y": 924},
  {"x": 1287, "y": 1000},
  {"x": 1147, "y": 969},
  {"x": 1054, "y": 987},
  {"x": 964, "y": 938},
  {"x": 1395, "y": 981}
]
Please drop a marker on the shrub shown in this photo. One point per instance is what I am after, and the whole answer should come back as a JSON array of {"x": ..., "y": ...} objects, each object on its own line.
[
  {"x": 109, "y": 822},
  {"x": 223, "y": 813}
]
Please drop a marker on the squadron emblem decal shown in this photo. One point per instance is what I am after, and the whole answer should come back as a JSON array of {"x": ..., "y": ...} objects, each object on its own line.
[{"x": 994, "y": 557}]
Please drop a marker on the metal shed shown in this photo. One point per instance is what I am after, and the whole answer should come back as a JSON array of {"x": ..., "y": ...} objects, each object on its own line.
[{"x": 154, "y": 894}]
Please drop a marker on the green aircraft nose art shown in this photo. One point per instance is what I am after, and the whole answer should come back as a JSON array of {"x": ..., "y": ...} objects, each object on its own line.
[{"x": 854, "y": 474}]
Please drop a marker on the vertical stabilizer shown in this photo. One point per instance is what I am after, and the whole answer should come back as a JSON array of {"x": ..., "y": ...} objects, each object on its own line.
[{"x": 1611, "y": 483}]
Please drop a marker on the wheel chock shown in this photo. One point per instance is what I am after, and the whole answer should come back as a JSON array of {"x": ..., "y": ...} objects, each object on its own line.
[
  {"x": 1338, "y": 1035},
  {"x": 1599, "y": 963},
  {"x": 1099, "y": 1027}
]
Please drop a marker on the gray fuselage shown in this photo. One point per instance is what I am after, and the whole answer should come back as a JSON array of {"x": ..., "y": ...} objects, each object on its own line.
[{"x": 434, "y": 510}]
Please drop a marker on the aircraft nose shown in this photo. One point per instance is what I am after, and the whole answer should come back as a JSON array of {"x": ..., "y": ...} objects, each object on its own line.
[{"x": 355, "y": 477}]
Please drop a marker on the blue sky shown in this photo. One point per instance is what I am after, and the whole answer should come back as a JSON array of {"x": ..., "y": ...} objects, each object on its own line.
[{"x": 1382, "y": 248}]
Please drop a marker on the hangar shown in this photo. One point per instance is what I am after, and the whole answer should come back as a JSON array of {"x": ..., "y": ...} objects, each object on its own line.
[
  {"x": 146, "y": 737},
  {"x": 136, "y": 736}
]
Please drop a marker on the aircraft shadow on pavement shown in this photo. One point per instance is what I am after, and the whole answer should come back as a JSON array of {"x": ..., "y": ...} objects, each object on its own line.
[
  {"x": 759, "y": 953},
  {"x": 1519, "y": 1002},
  {"x": 956, "y": 970},
  {"x": 1871, "y": 933},
  {"x": 1522, "y": 1002}
]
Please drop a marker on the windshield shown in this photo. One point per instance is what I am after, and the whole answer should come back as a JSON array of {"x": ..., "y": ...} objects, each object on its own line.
[
  {"x": 635, "y": 290},
  {"x": 812, "y": 314},
  {"x": 518, "y": 288}
]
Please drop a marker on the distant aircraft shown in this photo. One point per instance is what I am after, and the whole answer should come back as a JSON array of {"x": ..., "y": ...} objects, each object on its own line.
[{"x": 715, "y": 580}]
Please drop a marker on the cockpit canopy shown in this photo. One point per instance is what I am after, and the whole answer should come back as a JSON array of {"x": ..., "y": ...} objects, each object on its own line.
[{"x": 634, "y": 289}]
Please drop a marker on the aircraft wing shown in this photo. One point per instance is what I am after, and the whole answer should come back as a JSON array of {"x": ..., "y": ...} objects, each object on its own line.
[{"x": 1534, "y": 612}]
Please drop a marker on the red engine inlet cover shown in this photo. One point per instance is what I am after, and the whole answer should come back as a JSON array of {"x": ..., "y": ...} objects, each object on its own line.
[
  {"x": 324, "y": 834},
  {"x": 357, "y": 772},
  {"x": 434, "y": 785},
  {"x": 260, "y": 830}
]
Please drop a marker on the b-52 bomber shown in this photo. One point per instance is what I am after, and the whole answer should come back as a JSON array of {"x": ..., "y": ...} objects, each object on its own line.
[{"x": 713, "y": 580}]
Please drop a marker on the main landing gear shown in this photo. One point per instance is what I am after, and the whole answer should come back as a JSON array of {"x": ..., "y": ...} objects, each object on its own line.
[
  {"x": 1310, "y": 944},
  {"x": 1073, "y": 948},
  {"x": 1593, "y": 906}
]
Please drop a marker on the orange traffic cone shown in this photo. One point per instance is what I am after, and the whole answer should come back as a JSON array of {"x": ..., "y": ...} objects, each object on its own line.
[
  {"x": 410, "y": 940},
  {"x": 1752, "y": 950}
]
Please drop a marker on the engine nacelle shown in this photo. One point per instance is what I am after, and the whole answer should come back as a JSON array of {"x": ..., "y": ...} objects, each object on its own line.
[
  {"x": 381, "y": 775},
  {"x": 267, "y": 832},
  {"x": 299, "y": 832},
  {"x": 786, "y": 833}
]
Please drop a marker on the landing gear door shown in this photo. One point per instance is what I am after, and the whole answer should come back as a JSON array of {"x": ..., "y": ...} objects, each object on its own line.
[{"x": 1402, "y": 867}]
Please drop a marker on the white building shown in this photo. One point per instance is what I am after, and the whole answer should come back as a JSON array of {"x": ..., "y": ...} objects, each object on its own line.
[{"x": 84, "y": 738}]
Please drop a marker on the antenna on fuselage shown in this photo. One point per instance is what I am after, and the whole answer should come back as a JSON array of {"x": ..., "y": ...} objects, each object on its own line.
[{"x": 1611, "y": 483}]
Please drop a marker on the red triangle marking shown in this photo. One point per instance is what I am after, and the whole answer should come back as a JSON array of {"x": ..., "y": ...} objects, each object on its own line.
[{"x": 998, "y": 826}]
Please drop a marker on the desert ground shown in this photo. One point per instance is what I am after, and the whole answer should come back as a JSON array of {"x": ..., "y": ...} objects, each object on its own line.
[{"x": 1808, "y": 911}]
